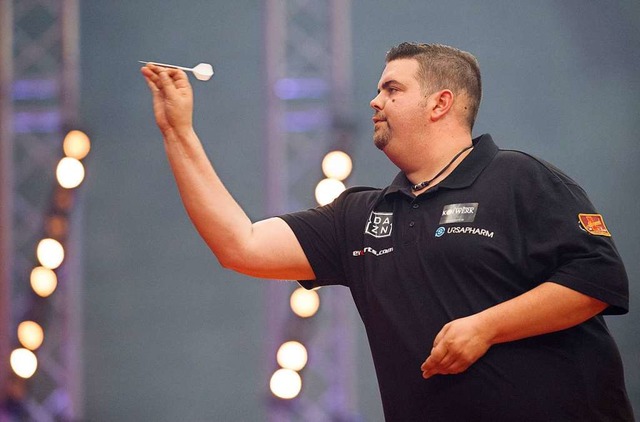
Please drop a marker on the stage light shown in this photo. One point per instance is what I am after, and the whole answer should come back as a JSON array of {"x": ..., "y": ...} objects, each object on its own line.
[
  {"x": 328, "y": 190},
  {"x": 304, "y": 303},
  {"x": 43, "y": 281},
  {"x": 292, "y": 355},
  {"x": 56, "y": 226},
  {"x": 337, "y": 165},
  {"x": 70, "y": 172},
  {"x": 76, "y": 145},
  {"x": 285, "y": 383},
  {"x": 50, "y": 253},
  {"x": 23, "y": 362},
  {"x": 30, "y": 334},
  {"x": 63, "y": 200}
]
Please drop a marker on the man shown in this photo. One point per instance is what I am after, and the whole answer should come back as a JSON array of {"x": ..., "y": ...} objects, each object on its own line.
[{"x": 481, "y": 275}]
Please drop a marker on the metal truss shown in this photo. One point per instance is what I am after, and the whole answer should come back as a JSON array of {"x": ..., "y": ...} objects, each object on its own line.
[
  {"x": 44, "y": 92},
  {"x": 6, "y": 195},
  {"x": 307, "y": 45}
]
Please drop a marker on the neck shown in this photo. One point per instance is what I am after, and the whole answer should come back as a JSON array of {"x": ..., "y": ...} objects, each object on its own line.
[
  {"x": 418, "y": 187},
  {"x": 434, "y": 157}
]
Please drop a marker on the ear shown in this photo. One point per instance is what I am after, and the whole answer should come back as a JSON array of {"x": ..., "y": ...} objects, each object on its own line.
[{"x": 441, "y": 103}]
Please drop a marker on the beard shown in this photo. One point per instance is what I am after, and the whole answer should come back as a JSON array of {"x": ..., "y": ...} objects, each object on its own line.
[{"x": 381, "y": 137}]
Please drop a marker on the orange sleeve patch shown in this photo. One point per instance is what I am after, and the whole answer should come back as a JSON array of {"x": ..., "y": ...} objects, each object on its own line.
[{"x": 594, "y": 224}]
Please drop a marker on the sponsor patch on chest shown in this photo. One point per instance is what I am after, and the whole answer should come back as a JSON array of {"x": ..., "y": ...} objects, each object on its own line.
[
  {"x": 379, "y": 224},
  {"x": 459, "y": 213}
]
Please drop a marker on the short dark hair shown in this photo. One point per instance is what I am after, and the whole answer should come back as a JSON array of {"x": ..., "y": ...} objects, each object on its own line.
[{"x": 444, "y": 67}]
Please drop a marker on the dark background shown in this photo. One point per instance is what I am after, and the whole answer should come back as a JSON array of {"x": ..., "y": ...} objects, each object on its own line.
[{"x": 169, "y": 335}]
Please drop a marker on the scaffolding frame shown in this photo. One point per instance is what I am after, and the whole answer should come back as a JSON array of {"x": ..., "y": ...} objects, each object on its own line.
[
  {"x": 6, "y": 195},
  {"x": 40, "y": 91},
  {"x": 308, "y": 80}
]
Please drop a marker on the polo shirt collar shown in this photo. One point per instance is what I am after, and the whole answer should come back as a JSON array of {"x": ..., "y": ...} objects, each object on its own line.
[{"x": 484, "y": 149}]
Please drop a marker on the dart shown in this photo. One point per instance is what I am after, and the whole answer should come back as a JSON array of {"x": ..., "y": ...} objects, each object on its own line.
[{"x": 202, "y": 72}]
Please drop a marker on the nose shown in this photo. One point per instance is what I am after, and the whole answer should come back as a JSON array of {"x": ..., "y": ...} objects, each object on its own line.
[{"x": 376, "y": 103}]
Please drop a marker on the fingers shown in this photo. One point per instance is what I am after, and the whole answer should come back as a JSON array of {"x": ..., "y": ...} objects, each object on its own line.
[
  {"x": 179, "y": 78},
  {"x": 166, "y": 83},
  {"x": 151, "y": 84},
  {"x": 450, "y": 364},
  {"x": 434, "y": 362},
  {"x": 443, "y": 362},
  {"x": 446, "y": 357},
  {"x": 164, "y": 79},
  {"x": 172, "y": 97},
  {"x": 440, "y": 335},
  {"x": 438, "y": 353},
  {"x": 151, "y": 77}
]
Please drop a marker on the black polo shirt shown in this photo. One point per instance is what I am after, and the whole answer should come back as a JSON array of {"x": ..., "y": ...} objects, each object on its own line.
[{"x": 500, "y": 224}]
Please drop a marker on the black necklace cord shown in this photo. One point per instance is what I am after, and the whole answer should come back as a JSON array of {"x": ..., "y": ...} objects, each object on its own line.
[{"x": 426, "y": 183}]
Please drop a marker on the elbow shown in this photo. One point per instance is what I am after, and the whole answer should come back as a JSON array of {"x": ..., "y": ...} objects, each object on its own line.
[
  {"x": 233, "y": 266},
  {"x": 234, "y": 255},
  {"x": 228, "y": 251},
  {"x": 227, "y": 261},
  {"x": 232, "y": 260}
]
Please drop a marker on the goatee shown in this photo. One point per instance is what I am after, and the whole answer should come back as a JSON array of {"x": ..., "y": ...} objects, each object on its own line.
[{"x": 381, "y": 139}]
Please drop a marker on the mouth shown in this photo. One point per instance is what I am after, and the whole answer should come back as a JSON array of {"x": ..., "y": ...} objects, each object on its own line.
[{"x": 377, "y": 120}]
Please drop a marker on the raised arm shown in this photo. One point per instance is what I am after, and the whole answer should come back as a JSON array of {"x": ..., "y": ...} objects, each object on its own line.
[{"x": 267, "y": 248}]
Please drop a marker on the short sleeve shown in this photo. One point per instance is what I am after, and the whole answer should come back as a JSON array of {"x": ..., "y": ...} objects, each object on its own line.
[
  {"x": 567, "y": 241},
  {"x": 316, "y": 231}
]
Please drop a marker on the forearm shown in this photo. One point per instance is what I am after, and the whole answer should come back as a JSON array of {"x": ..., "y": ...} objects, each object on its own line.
[
  {"x": 547, "y": 308},
  {"x": 266, "y": 249},
  {"x": 216, "y": 215}
]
